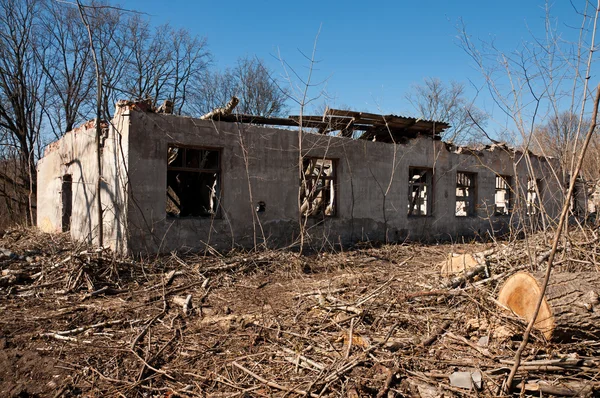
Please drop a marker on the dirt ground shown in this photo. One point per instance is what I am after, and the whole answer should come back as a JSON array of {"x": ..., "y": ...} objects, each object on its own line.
[{"x": 371, "y": 321}]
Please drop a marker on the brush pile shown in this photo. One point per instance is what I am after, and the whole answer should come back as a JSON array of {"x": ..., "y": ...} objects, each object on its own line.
[{"x": 374, "y": 321}]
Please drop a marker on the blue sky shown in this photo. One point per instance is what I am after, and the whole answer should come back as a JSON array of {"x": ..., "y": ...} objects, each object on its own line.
[{"x": 369, "y": 54}]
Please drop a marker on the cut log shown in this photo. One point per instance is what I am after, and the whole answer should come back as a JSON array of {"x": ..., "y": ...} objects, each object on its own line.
[
  {"x": 570, "y": 308},
  {"x": 458, "y": 263},
  {"x": 455, "y": 264}
]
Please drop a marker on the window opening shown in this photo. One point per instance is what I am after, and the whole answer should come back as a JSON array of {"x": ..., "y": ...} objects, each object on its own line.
[
  {"x": 67, "y": 201},
  {"x": 318, "y": 188},
  {"x": 502, "y": 197},
  {"x": 533, "y": 200},
  {"x": 419, "y": 191},
  {"x": 193, "y": 182},
  {"x": 465, "y": 194}
]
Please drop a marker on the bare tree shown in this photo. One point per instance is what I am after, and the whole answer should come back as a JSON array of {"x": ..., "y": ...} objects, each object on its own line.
[
  {"x": 67, "y": 67},
  {"x": 109, "y": 29},
  {"x": 22, "y": 94},
  {"x": 84, "y": 20},
  {"x": 190, "y": 61},
  {"x": 162, "y": 62},
  {"x": 558, "y": 138},
  {"x": 215, "y": 90},
  {"x": 252, "y": 82},
  {"x": 148, "y": 64},
  {"x": 47, "y": 76},
  {"x": 436, "y": 100},
  {"x": 258, "y": 92}
]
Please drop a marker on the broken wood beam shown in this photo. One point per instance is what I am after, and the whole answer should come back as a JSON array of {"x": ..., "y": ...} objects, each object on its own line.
[
  {"x": 561, "y": 388},
  {"x": 224, "y": 111}
]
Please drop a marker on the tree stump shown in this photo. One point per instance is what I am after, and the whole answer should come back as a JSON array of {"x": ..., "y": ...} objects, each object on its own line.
[{"x": 570, "y": 308}]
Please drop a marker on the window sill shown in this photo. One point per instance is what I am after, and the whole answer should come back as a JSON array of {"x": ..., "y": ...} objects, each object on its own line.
[
  {"x": 168, "y": 217},
  {"x": 319, "y": 219}
]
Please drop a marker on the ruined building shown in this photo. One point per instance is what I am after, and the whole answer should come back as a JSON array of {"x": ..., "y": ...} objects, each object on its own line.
[{"x": 171, "y": 182}]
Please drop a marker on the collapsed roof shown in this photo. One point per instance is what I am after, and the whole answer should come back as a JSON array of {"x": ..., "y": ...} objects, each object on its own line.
[
  {"x": 350, "y": 124},
  {"x": 360, "y": 125}
]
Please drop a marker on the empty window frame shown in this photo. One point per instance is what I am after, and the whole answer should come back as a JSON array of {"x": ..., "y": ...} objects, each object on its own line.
[
  {"x": 502, "y": 197},
  {"x": 67, "y": 201},
  {"x": 534, "y": 190},
  {"x": 419, "y": 191},
  {"x": 465, "y": 194},
  {"x": 193, "y": 181},
  {"x": 318, "y": 188}
]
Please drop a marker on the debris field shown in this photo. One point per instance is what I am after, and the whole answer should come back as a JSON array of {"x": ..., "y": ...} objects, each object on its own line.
[{"x": 370, "y": 321}]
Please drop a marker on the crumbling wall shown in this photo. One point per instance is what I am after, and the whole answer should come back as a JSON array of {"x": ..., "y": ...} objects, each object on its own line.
[
  {"x": 259, "y": 171},
  {"x": 73, "y": 158},
  {"x": 72, "y": 155}
]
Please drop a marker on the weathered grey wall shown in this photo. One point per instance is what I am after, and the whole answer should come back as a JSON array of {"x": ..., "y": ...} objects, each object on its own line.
[
  {"x": 372, "y": 191},
  {"x": 371, "y": 194}
]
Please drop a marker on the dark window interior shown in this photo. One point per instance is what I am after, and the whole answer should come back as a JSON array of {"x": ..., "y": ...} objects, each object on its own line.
[
  {"x": 419, "y": 192},
  {"x": 193, "y": 182},
  {"x": 67, "y": 201}
]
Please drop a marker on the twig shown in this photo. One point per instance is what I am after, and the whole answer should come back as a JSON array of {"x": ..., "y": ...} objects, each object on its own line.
[
  {"x": 60, "y": 337},
  {"x": 463, "y": 340},
  {"x": 95, "y": 326},
  {"x": 456, "y": 282},
  {"x": 319, "y": 292},
  {"x": 273, "y": 384},
  {"x": 147, "y": 365},
  {"x": 312, "y": 363},
  {"x": 388, "y": 382},
  {"x": 436, "y": 334},
  {"x": 62, "y": 262},
  {"x": 350, "y": 336},
  {"x": 339, "y": 372},
  {"x": 432, "y": 293},
  {"x": 105, "y": 290},
  {"x": 380, "y": 288}
]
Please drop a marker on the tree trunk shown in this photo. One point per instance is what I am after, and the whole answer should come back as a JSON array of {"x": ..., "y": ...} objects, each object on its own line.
[{"x": 570, "y": 309}]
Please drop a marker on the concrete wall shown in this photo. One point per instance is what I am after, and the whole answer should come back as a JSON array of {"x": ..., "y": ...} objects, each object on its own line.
[
  {"x": 259, "y": 164},
  {"x": 115, "y": 187},
  {"x": 372, "y": 192},
  {"x": 75, "y": 154}
]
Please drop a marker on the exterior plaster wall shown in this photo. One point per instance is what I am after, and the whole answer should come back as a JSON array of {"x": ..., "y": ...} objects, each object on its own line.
[
  {"x": 371, "y": 194},
  {"x": 75, "y": 154},
  {"x": 115, "y": 184}
]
